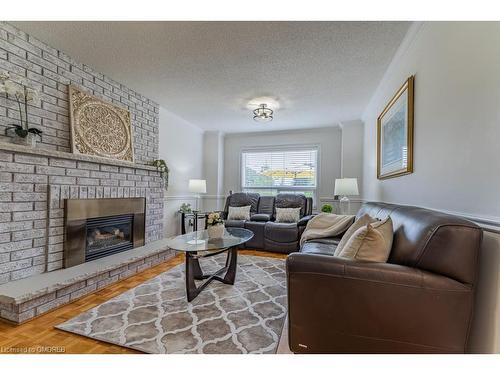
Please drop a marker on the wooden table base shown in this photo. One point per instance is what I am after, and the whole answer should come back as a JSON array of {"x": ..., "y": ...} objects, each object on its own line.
[{"x": 194, "y": 271}]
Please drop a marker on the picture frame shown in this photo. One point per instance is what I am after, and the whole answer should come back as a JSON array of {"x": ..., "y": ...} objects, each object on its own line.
[
  {"x": 99, "y": 128},
  {"x": 395, "y": 134}
]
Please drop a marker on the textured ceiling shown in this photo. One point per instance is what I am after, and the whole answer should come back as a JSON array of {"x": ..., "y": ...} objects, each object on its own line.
[{"x": 320, "y": 73}]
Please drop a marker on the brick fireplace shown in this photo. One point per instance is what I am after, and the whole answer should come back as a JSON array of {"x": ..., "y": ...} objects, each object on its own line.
[
  {"x": 36, "y": 185},
  {"x": 36, "y": 182}
]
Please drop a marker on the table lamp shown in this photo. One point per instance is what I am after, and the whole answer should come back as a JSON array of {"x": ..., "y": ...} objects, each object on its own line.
[
  {"x": 197, "y": 187},
  {"x": 345, "y": 187}
]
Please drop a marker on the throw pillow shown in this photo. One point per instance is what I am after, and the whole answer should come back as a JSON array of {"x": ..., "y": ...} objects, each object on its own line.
[
  {"x": 239, "y": 213},
  {"x": 287, "y": 215},
  {"x": 372, "y": 242},
  {"x": 361, "y": 222}
]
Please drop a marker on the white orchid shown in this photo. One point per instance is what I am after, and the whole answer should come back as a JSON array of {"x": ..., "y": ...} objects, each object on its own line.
[
  {"x": 32, "y": 96},
  {"x": 14, "y": 89},
  {"x": 17, "y": 89},
  {"x": 11, "y": 87},
  {"x": 4, "y": 76},
  {"x": 23, "y": 95},
  {"x": 5, "y": 84}
]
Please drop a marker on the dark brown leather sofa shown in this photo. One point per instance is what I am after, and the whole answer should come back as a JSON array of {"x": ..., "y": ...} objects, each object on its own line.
[
  {"x": 269, "y": 235},
  {"x": 421, "y": 301}
]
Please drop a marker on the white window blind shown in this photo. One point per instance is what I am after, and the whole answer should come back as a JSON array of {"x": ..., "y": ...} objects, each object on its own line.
[{"x": 272, "y": 172}]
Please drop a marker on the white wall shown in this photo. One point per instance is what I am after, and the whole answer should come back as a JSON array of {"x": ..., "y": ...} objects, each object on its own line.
[
  {"x": 456, "y": 140},
  {"x": 328, "y": 139},
  {"x": 181, "y": 146},
  {"x": 213, "y": 169},
  {"x": 352, "y": 156},
  {"x": 352, "y": 150},
  {"x": 457, "y": 120}
]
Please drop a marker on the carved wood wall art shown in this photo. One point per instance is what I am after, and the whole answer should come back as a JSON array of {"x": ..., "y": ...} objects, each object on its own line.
[{"x": 99, "y": 128}]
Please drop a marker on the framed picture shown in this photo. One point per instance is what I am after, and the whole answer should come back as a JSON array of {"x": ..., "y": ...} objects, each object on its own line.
[
  {"x": 99, "y": 128},
  {"x": 395, "y": 134}
]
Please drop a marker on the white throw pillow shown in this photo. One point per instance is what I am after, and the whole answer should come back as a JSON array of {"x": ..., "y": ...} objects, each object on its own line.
[
  {"x": 372, "y": 242},
  {"x": 239, "y": 213},
  {"x": 287, "y": 215},
  {"x": 361, "y": 222}
]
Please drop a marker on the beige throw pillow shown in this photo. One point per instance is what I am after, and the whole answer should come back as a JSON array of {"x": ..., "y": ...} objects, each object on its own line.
[
  {"x": 372, "y": 242},
  {"x": 287, "y": 215},
  {"x": 361, "y": 222},
  {"x": 239, "y": 213}
]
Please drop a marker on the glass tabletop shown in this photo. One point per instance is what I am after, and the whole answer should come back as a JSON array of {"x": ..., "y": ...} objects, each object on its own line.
[{"x": 199, "y": 240}]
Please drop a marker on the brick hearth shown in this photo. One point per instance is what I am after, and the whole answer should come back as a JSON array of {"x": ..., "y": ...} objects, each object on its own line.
[{"x": 26, "y": 299}]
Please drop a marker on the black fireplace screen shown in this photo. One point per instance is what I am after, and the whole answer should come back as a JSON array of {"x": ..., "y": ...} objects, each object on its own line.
[{"x": 108, "y": 235}]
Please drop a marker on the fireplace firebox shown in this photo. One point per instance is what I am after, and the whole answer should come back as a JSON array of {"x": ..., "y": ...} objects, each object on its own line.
[{"x": 96, "y": 228}]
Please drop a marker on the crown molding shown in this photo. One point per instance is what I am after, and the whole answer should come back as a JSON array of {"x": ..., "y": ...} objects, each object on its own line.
[
  {"x": 407, "y": 42},
  {"x": 334, "y": 126}
]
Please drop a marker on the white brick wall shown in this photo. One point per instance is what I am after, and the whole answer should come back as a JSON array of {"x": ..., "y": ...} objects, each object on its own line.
[
  {"x": 32, "y": 188},
  {"x": 50, "y": 72},
  {"x": 32, "y": 193}
]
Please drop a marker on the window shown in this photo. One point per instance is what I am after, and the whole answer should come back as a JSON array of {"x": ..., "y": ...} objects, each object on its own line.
[{"x": 285, "y": 171}]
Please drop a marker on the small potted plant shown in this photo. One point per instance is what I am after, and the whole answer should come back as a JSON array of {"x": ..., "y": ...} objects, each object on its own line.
[
  {"x": 185, "y": 208},
  {"x": 22, "y": 133},
  {"x": 327, "y": 208},
  {"x": 215, "y": 225}
]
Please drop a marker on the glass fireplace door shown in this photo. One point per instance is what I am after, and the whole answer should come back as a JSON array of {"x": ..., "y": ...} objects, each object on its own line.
[{"x": 108, "y": 235}]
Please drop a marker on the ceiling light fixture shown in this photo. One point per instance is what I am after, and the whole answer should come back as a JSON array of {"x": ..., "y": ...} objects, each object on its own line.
[{"x": 263, "y": 114}]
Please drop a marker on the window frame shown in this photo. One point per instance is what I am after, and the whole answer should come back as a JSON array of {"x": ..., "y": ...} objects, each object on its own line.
[{"x": 284, "y": 148}]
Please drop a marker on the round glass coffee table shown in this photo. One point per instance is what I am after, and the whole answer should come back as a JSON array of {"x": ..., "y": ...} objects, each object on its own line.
[{"x": 198, "y": 245}]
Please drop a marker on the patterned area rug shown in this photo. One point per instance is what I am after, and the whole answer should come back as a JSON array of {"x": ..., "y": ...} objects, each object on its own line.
[{"x": 155, "y": 317}]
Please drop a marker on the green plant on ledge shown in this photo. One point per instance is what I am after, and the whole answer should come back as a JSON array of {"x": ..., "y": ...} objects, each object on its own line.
[
  {"x": 327, "y": 208},
  {"x": 162, "y": 167}
]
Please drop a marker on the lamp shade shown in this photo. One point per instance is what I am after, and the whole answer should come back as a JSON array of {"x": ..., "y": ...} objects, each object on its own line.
[
  {"x": 346, "y": 186},
  {"x": 197, "y": 186}
]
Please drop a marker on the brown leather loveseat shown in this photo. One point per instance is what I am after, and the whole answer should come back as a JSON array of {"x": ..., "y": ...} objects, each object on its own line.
[{"x": 421, "y": 301}]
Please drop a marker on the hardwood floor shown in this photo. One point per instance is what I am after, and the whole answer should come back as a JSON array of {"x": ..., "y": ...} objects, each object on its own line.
[{"x": 39, "y": 335}]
